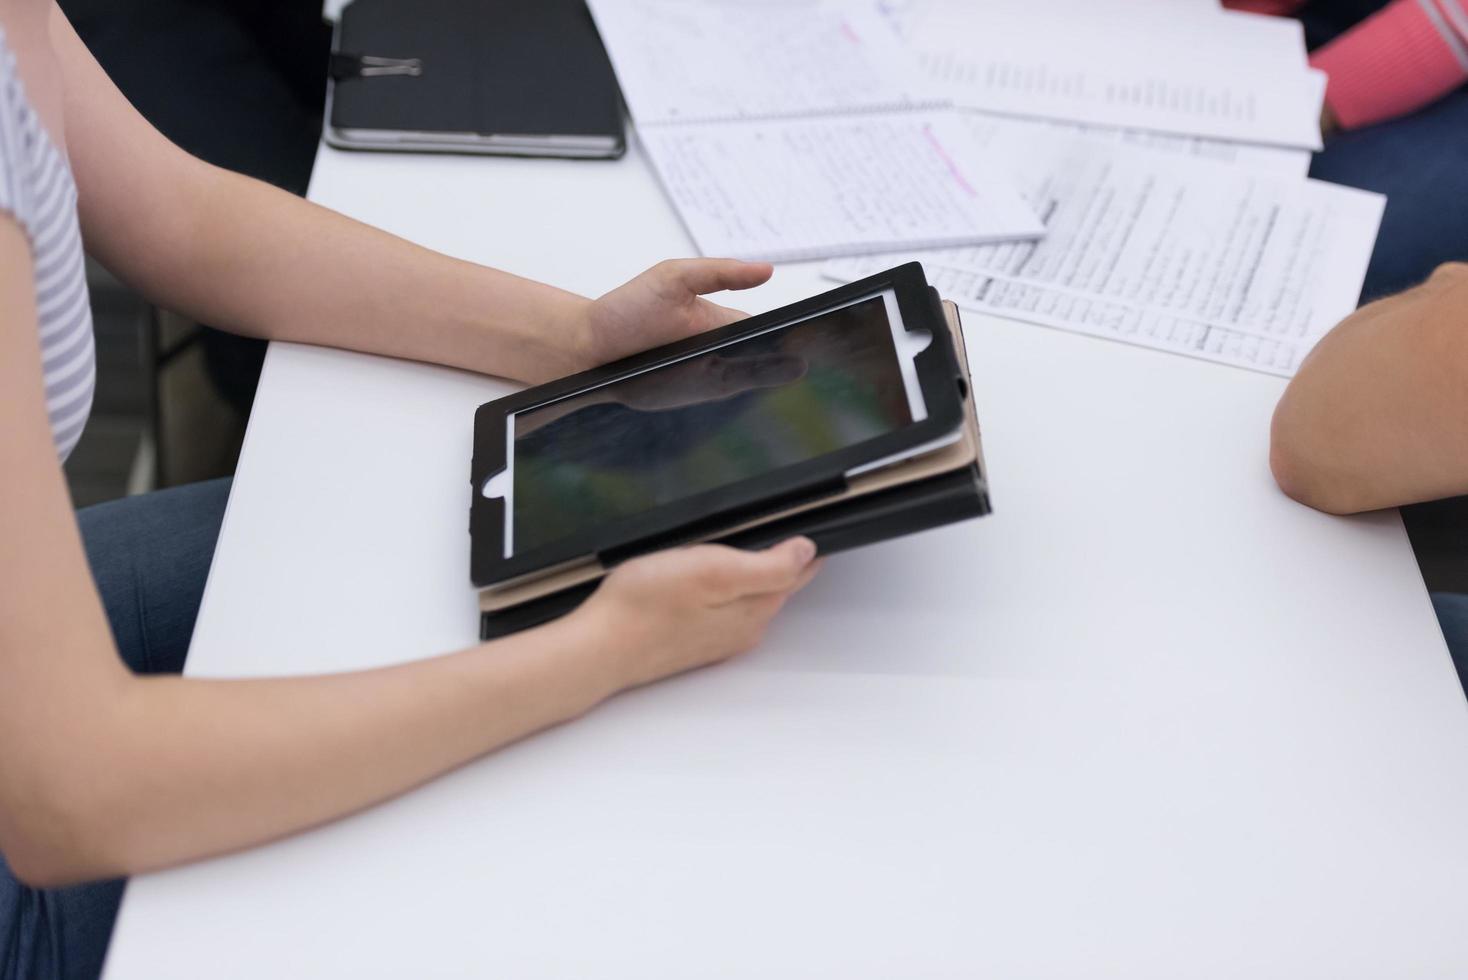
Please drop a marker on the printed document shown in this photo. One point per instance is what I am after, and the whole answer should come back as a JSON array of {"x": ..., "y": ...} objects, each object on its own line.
[
  {"x": 1270, "y": 159},
  {"x": 1173, "y": 69},
  {"x": 1184, "y": 254}
]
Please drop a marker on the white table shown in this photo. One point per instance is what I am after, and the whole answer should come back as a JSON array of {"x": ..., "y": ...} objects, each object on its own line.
[{"x": 1150, "y": 719}]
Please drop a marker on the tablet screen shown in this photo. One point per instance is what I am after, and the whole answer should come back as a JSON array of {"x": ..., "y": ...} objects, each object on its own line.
[{"x": 753, "y": 406}]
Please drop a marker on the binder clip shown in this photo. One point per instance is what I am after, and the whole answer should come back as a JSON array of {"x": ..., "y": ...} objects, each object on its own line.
[{"x": 344, "y": 65}]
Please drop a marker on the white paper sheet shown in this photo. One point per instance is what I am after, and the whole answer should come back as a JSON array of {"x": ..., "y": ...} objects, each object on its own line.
[
  {"x": 1283, "y": 46},
  {"x": 794, "y": 189},
  {"x": 1268, "y": 159},
  {"x": 1115, "y": 321},
  {"x": 1175, "y": 252},
  {"x": 703, "y": 60},
  {"x": 1217, "y": 74},
  {"x": 906, "y": 16}
]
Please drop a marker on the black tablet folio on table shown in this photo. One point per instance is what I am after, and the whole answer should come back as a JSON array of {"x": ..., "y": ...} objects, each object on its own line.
[
  {"x": 846, "y": 418},
  {"x": 518, "y": 77}
]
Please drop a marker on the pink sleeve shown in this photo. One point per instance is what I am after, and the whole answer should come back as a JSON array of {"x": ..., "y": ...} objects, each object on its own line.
[{"x": 1405, "y": 56}]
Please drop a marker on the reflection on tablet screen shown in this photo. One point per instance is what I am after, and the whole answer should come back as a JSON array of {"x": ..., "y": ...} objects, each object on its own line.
[{"x": 748, "y": 408}]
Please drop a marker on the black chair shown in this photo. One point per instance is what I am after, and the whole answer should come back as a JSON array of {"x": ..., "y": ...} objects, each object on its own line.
[{"x": 239, "y": 83}]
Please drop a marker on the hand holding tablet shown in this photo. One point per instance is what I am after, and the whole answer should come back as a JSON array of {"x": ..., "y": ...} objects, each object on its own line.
[
  {"x": 678, "y": 610},
  {"x": 846, "y": 416}
]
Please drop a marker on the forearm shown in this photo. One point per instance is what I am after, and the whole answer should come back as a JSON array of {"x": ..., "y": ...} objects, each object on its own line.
[
  {"x": 1377, "y": 416},
  {"x": 105, "y": 773},
  {"x": 239, "y": 254},
  {"x": 261, "y": 262},
  {"x": 337, "y": 282},
  {"x": 176, "y": 769}
]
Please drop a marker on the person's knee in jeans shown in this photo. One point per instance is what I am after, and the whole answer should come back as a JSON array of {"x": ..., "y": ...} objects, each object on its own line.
[{"x": 150, "y": 558}]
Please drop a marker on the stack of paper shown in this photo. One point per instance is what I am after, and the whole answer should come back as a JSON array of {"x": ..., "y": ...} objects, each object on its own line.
[
  {"x": 1184, "y": 254},
  {"x": 800, "y": 130},
  {"x": 1133, "y": 169},
  {"x": 1179, "y": 223}
]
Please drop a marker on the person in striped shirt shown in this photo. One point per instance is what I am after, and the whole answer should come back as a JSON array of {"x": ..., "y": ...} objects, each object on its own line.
[
  {"x": 106, "y": 771},
  {"x": 1396, "y": 119}
]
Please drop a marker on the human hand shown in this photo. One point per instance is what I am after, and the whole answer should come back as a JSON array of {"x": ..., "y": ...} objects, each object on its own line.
[
  {"x": 662, "y": 305},
  {"x": 673, "y": 611}
]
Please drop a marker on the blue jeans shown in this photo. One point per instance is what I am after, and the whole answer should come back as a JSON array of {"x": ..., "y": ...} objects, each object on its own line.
[
  {"x": 1421, "y": 163},
  {"x": 149, "y": 556}
]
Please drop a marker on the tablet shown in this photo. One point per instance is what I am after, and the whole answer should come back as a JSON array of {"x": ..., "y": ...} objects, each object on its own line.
[
  {"x": 745, "y": 419},
  {"x": 916, "y": 494}
]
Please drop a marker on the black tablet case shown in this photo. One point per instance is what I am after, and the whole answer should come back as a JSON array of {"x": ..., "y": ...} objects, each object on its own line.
[
  {"x": 520, "y": 67},
  {"x": 904, "y": 510},
  {"x": 840, "y": 526},
  {"x": 704, "y": 514}
]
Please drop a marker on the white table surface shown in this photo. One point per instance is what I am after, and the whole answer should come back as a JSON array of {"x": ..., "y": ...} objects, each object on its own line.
[{"x": 1149, "y": 719}]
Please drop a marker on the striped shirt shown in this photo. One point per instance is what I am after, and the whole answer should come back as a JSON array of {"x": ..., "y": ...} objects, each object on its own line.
[{"x": 36, "y": 188}]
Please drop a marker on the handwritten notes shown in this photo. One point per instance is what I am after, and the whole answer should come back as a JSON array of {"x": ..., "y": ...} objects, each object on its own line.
[
  {"x": 801, "y": 130},
  {"x": 810, "y": 188}
]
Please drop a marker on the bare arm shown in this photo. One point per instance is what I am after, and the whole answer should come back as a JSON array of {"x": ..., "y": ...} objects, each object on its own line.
[
  {"x": 1378, "y": 414},
  {"x": 239, "y": 254},
  {"x": 104, "y": 773}
]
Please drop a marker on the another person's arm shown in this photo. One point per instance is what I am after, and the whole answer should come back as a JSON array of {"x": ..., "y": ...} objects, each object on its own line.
[
  {"x": 1377, "y": 416},
  {"x": 239, "y": 254},
  {"x": 1404, "y": 57}
]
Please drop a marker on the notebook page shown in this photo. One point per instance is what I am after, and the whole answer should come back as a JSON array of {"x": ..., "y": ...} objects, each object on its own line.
[
  {"x": 811, "y": 188},
  {"x": 681, "y": 60},
  {"x": 1169, "y": 238}
]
